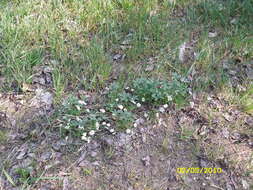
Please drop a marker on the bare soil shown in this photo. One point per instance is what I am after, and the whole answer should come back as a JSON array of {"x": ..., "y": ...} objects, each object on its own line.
[{"x": 206, "y": 135}]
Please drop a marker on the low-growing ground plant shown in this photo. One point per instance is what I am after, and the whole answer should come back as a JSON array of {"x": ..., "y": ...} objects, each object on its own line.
[
  {"x": 158, "y": 92},
  {"x": 121, "y": 108},
  {"x": 24, "y": 176}
]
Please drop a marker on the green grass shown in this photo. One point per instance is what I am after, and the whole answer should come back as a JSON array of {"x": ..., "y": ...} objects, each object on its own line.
[
  {"x": 247, "y": 100},
  {"x": 81, "y": 37},
  {"x": 3, "y": 137}
]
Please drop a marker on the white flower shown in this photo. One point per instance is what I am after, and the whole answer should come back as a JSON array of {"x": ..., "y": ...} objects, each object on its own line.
[
  {"x": 92, "y": 132},
  {"x": 111, "y": 130},
  {"x": 120, "y": 107},
  {"x": 108, "y": 125},
  {"x": 97, "y": 125},
  {"x": 143, "y": 99},
  {"x": 87, "y": 139},
  {"x": 145, "y": 115},
  {"x": 104, "y": 123},
  {"x": 78, "y": 118},
  {"x": 88, "y": 110},
  {"x": 127, "y": 88},
  {"x": 165, "y": 106},
  {"x": 138, "y": 105},
  {"x": 135, "y": 124},
  {"x": 161, "y": 109},
  {"x": 102, "y": 110},
  {"x": 84, "y": 136},
  {"x": 116, "y": 99},
  {"x": 128, "y": 131},
  {"x": 113, "y": 114},
  {"x": 78, "y": 108},
  {"x": 125, "y": 109},
  {"x": 132, "y": 90},
  {"x": 169, "y": 98},
  {"x": 133, "y": 101},
  {"x": 82, "y": 102},
  {"x": 81, "y": 127},
  {"x": 220, "y": 7}
]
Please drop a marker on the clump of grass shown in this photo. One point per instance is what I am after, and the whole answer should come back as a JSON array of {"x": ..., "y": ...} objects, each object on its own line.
[
  {"x": 3, "y": 137},
  {"x": 186, "y": 133},
  {"x": 58, "y": 84},
  {"x": 247, "y": 100},
  {"x": 98, "y": 65},
  {"x": 24, "y": 175},
  {"x": 87, "y": 172},
  {"x": 220, "y": 13}
]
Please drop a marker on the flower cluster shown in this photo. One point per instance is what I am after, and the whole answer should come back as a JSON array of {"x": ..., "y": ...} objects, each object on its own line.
[{"x": 119, "y": 112}]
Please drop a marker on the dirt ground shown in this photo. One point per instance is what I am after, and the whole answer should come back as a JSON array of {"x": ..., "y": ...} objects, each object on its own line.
[{"x": 210, "y": 135}]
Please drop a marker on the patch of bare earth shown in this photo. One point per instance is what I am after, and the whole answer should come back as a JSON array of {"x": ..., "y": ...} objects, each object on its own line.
[{"x": 206, "y": 135}]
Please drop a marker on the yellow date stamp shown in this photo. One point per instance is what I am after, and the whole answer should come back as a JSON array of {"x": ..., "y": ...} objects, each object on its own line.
[{"x": 199, "y": 170}]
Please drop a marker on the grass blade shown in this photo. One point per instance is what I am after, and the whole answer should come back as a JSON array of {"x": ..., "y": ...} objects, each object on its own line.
[{"x": 8, "y": 177}]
